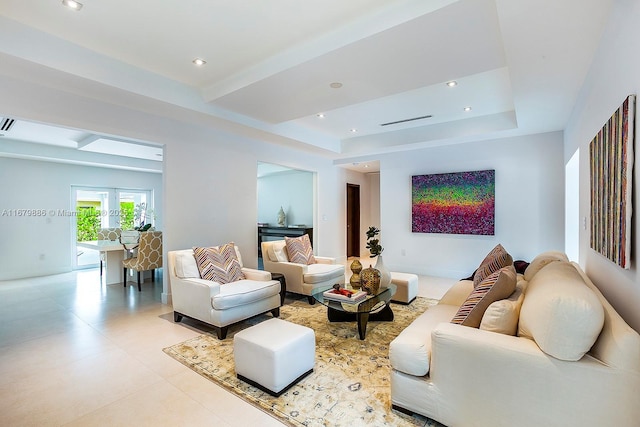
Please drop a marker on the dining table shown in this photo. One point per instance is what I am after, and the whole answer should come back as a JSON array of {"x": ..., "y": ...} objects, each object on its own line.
[{"x": 114, "y": 252}]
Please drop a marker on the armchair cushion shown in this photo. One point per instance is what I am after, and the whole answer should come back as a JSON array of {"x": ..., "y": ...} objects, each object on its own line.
[
  {"x": 299, "y": 250},
  {"x": 185, "y": 266},
  {"x": 244, "y": 292},
  {"x": 316, "y": 273},
  {"x": 219, "y": 263},
  {"x": 278, "y": 252},
  {"x": 496, "y": 286}
]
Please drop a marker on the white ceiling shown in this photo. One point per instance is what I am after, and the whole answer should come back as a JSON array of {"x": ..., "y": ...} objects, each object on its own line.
[{"x": 519, "y": 64}]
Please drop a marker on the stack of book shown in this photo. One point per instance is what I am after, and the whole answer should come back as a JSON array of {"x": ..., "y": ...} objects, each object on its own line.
[{"x": 344, "y": 295}]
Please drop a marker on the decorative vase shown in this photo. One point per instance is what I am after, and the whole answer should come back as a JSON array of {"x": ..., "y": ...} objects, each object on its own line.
[
  {"x": 385, "y": 274},
  {"x": 356, "y": 268},
  {"x": 370, "y": 280},
  {"x": 281, "y": 217}
]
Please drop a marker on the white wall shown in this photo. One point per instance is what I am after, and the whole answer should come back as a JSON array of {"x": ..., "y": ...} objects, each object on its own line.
[
  {"x": 210, "y": 192},
  {"x": 40, "y": 245},
  {"x": 209, "y": 176},
  {"x": 572, "y": 220},
  {"x": 293, "y": 191},
  {"x": 529, "y": 217},
  {"x": 614, "y": 74}
]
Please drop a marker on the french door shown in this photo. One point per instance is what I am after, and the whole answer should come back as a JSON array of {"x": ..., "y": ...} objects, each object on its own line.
[{"x": 97, "y": 208}]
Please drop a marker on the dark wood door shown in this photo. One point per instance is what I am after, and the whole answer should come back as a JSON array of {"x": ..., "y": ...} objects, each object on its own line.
[{"x": 353, "y": 220}]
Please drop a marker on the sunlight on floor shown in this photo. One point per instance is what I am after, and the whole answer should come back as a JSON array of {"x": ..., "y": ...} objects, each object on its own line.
[{"x": 76, "y": 352}]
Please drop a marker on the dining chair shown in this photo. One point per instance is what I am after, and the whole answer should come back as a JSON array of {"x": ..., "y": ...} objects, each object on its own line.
[{"x": 149, "y": 256}]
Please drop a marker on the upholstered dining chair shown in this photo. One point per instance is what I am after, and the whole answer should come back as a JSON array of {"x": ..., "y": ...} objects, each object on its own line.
[
  {"x": 149, "y": 256},
  {"x": 112, "y": 233}
]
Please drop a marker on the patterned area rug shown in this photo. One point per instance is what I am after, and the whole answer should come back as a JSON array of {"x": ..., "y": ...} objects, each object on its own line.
[{"x": 350, "y": 384}]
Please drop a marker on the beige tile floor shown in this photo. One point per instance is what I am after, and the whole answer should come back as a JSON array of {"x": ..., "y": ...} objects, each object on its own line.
[{"x": 75, "y": 352}]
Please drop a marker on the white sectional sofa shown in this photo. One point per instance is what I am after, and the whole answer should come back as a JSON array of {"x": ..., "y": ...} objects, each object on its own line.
[{"x": 555, "y": 353}]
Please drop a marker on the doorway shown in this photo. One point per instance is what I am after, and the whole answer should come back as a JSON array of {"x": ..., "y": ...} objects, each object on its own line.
[
  {"x": 353, "y": 220},
  {"x": 292, "y": 190},
  {"x": 97, "y": 208}
]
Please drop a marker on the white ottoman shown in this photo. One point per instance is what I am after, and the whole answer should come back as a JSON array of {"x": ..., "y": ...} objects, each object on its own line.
[
  {"x": 407, "y": 284},
  {"x": 274, "y": 355}
]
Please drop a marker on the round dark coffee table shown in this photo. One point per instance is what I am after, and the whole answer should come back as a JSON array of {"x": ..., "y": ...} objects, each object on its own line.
[{"x": 374, "y": 307}]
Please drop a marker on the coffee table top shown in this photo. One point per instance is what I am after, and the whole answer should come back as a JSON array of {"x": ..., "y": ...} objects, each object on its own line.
[{"x": 371, "y": 303}]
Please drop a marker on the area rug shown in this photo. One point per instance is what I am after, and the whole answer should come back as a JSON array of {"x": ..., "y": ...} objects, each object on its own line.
[{"x": 350, "y": 384}]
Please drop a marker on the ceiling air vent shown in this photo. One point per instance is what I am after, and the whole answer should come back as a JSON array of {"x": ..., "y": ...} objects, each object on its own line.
[
  {"x": 6, "y": 124},
  {"x": 406, "y": 120}
]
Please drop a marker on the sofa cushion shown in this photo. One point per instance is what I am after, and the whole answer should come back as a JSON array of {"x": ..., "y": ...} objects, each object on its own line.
[
  {"x": 185, "y": 264},
  {"x": 542, "y": 260},
  {"x": 299, "y": 250},
  {"x": 496, "y": 286},
  {"x": 316, "y": 273},
  {"x": 219, "y": 263},
  {"x": 494, "y": 261},
  {"x": 244, "y": 292},
  {"x": 458, "y": 293},
  {"x": 560, "y": 312},
  {"x": 410, "y": 351},
  {"x": 502, "y": 316}
]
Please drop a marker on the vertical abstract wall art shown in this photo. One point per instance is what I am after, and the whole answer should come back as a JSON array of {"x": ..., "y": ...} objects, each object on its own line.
[
  {"x": 611, "y": 167},
  {"x": 454, "y": 203}
]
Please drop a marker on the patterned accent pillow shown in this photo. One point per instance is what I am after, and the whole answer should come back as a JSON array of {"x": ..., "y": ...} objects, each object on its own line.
[
  {"x": 498, "y": 285},
  {"x": 494, "y": 261},
  {"x": 300, "y": 250},
  {"x": 219, "y": 263}
]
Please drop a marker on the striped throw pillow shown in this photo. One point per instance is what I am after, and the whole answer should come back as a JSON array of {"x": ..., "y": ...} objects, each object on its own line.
[
  {"x": 300, "y": 250},
  {"x": 219, "y": 263},
  {"x": 494, "y": 261},
  {"x": 498, "y": 285}
]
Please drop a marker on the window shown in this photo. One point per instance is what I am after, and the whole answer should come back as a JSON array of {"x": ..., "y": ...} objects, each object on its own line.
[{"x": 96, "y": 208}]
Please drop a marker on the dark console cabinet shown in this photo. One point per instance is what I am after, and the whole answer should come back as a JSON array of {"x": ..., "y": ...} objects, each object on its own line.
[{"x": 267, "y": 233}]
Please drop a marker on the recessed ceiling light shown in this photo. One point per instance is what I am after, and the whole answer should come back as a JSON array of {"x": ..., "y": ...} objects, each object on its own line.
[
  {"x": 452, "y": 83},
  {"x": 366, "y": 166},
  {"x": 336, "y": 85},
  {"x": 199, "y": 62},
  {"x": 320, "y": 115},
  {"x": 72, "y": 4},
  {"x": 354, "y": 130},
  {"x": 467, "y": 108}
]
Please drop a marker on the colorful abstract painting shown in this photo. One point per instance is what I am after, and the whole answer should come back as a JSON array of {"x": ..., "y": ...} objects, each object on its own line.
[
  {"x": 454, "y": 203},
  {"x": 611, "y": 165}
]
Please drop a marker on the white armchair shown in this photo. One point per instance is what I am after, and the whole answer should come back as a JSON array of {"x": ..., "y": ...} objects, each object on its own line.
[
  {"x": 216, "y": 304},
  {"x": 300, "y": 278}
]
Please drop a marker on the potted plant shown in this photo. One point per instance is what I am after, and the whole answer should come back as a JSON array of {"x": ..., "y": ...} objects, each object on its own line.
[
  {"x": 374, "y": 246},
  {"x": 372, "y": 278},
  {"x": 141, "y": 215}
]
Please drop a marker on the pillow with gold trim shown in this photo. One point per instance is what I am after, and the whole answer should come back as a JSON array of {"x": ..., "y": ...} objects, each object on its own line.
[
  {"x": 219, "y": 263},
  {"x": 299, "y": 250}
]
